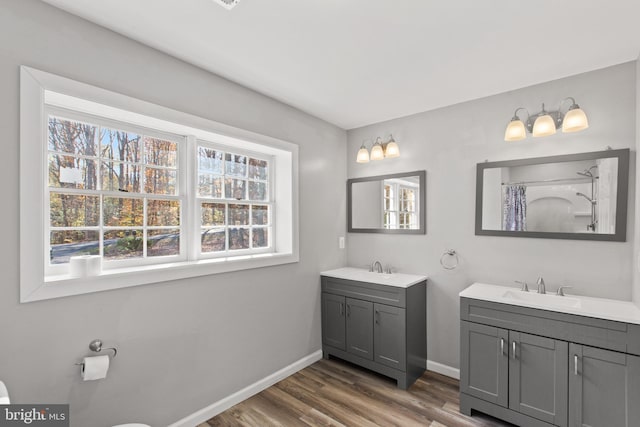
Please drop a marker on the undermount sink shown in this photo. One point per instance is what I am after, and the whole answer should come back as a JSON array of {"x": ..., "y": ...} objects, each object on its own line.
[{"x": 542, "y": 299}]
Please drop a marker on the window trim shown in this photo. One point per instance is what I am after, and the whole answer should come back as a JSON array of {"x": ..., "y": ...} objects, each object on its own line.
[
  {"x": 181, "y": 195},
  {"x": 197, "y": 200},
  {"x": 395, "y": 202},
  {"x": 34, "y": 286}
]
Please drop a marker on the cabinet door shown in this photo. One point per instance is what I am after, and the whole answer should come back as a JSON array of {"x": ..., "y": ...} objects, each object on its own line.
[
  {"x": 484, "y": 362},
  {"x": 538, "y": 377},
  {"x": 390, "y": 335},
  {"x": 604, "y": 388},
  {"x": 333, "y": 321},
  {"x": 360, "y": 328}
]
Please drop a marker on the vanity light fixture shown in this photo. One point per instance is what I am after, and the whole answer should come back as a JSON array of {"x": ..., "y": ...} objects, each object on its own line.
[
  {"x": 227, "y": 4},
  {"x": 379, "y": 150},
  {"x": 546, "y": 122}
]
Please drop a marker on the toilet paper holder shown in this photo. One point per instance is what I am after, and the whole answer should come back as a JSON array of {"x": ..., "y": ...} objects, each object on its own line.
[{"x": 96, "y": 346}]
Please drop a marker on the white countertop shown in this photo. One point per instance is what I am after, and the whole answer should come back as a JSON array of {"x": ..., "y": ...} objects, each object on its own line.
[
  {"x": 601, "y": 308},
  {"x": 399, "y": 280}
]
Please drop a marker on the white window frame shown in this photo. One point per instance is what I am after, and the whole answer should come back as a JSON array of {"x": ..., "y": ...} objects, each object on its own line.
[
  {"x": 390, "y": 216},
  {"x": 200, "y": 199},
  {"x": 413, "y": 215},
  {"x": 394, "y": 213},
  {"x": 181, "y": 195},
  {"x": 37, "y": 284}
]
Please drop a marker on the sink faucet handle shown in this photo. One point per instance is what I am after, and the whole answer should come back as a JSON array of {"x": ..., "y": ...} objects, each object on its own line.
[
  {"x": 388, "y": 269},
  {"x": 525, "y": 287},
  {"x": 560, "y": 291},
  {"x": 541, "y": 286}
]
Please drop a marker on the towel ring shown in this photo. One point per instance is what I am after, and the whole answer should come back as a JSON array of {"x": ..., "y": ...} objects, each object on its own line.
[{"x": 451, "y": 253}]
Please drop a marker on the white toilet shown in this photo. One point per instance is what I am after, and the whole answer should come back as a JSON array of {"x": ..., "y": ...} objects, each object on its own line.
[
  {"x": 4, "y": 400},
  {"x": 4, "y": 394}
]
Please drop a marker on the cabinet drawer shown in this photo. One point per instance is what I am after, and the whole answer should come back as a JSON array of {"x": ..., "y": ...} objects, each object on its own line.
[
  {"x": 389, "y": 295},
  {"x": 567, "y": 327}
]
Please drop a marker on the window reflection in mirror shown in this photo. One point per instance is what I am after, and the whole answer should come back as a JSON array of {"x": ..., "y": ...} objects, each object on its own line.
[{"x": 387, "y": 204}]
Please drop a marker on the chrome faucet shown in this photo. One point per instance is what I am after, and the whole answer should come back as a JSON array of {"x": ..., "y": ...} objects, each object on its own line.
[
  {"x": 560, "y": 291},
  {"x": 541, "y": 287},
  {"x": 377, "y": 266},
  {"x": 525, "y": 287}
]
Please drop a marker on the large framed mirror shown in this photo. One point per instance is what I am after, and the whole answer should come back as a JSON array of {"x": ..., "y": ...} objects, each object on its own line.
[
  {"x": 576, "y": 196},
  {"x": 394, "y": 203}
]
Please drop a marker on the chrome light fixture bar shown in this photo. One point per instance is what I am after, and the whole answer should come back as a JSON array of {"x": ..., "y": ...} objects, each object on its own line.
[
  {"x": 379, "y": 150},
  {"x": 546, "y": 123}
]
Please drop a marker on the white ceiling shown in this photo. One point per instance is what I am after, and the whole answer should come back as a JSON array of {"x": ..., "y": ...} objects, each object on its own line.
[{"x": 357, "y": 62}]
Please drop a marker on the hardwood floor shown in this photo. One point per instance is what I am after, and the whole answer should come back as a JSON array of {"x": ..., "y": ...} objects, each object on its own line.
[{"x": 336, "y": 393}]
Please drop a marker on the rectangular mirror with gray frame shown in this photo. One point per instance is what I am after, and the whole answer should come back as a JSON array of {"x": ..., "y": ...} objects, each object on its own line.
[
  {"x": 394, "y": 203},
  {"x": 576, "y": 196}
]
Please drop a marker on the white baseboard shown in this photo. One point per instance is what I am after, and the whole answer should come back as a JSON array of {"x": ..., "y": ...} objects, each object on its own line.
[
  {"x": 222, "y": 405},
  {"x": 445, "y": 370}
]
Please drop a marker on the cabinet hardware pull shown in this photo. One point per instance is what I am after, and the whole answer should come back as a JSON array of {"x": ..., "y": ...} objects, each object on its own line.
[
  {"x": 341, "y": 309},
  {"x": 575, "y": 364},
  {"x": 514, "y": 349},
  {"x": 348, "y": 310},
  {"x": 377, "y": 317},
  {"x": 502, "y": 346}
]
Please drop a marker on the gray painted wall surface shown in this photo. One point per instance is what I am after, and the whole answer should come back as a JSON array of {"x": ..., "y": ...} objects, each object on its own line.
[
  {"x": 448, "y": 143},
  {"x": 182, "y": 345},
  {"x": 636, "y": 246}
]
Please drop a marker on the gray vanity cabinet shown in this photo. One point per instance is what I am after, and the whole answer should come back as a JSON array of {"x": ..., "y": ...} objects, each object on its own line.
[
  {"x": 604, "y": 389},
  {"x": 538, "y": 377},
  {"x": 390, "y": 346},
  {"x": 381, "y": 328},
  {"x": 538, "y": 368},
  {"x": 347, "y": 324},
  {"x": 333, "y": 321},
  {"x": 359, "y": 325},
  {"x": 485, "y": 362},
  {"x": 522, "y": 372}
]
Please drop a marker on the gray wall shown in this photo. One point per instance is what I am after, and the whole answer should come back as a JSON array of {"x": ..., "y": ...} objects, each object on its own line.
[
  {"x": 182, "y": 345},
  {"x": 448, "y": 143},
  {"x": 636, "y": 252}
]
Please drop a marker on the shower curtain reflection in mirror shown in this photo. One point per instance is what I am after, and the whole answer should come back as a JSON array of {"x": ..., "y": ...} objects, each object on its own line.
[{"x": 514, "y": 208}]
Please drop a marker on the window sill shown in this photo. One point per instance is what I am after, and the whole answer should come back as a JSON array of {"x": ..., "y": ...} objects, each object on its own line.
[{"x": 62, "y": 286}]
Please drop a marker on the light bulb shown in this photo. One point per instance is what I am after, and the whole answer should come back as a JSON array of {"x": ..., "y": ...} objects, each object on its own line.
[
  {"x": 515, "y": 130},
  {"x": 544, "y": 126},
  {"x": 377, "y": 153},
  {"x": 392, "y": 149},
  {"x": 363, "y": 155},
  {"x": 575, "y": 120}
]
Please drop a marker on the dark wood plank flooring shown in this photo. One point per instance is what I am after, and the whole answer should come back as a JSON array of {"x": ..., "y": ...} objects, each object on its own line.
[{"x": 336, "y": 393}]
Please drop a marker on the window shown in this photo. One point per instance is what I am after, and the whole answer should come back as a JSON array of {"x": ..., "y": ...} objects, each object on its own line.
[
  {"x": 400, "y": 200},
  {"x": 157, "y": 194},
  {"x": 112, "y": 191},
  {"x": 234, "y": 201},
  {"x": 407, "y": 218}
]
